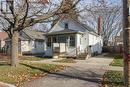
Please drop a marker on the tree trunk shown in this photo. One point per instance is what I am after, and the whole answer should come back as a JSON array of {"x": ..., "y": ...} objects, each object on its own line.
[{"x": 14, "y": 49}]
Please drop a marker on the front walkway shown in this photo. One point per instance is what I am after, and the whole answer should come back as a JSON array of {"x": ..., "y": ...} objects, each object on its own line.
[{"x": 84, "y": 73}]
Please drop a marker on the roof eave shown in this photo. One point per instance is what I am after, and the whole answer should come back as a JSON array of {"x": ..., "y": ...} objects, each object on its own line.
[{"x": 65, "y": 33}]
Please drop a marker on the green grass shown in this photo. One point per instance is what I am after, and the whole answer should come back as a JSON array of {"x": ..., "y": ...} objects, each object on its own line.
[
  {"x": 69, "y": 60},
  {"x": 25, "y": 72},
  {"x": 118, "y": 61},
  {"x": 113, "y": 79},
  {"x": 32, "y": 58}
]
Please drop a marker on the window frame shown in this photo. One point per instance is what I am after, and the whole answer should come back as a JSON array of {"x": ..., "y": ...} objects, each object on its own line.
[
  {"x": 66, "y": 25},
  {"x": 72, "y": 40},
  {"x": 49, "y": 42}
]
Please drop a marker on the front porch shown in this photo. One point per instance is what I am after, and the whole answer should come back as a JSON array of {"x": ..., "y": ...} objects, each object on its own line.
[{"x": 70, "y": 42}]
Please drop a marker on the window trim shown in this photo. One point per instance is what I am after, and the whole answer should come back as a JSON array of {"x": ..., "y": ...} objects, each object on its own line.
[
  {"x": 72, "y": 40},
  {"x": 66, "y": 25}
]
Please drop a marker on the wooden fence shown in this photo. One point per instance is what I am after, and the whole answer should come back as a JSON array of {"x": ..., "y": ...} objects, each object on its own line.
[{"x": 113, "y": 49}]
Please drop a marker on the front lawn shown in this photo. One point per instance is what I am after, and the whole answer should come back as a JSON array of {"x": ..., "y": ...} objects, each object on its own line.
[
  {"x": 25, "y": 72},
  {"x": 113, "y": 79},
  {"x": 68, "y": 60},
  {"x": 31, "y": 58},
  {"x": 118, "y": 61}
]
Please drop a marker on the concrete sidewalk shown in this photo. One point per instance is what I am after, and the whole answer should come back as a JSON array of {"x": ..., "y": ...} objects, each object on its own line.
[
  {"x": 6, "y": 85},
  {"x": 84, "y": 73}
]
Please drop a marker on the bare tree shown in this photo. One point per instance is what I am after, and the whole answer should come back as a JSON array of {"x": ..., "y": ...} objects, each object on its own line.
[
  {"x": 73, "y": 13},
  {"x": 21, "y": 14},
  {"x": 111, "y": 17}
]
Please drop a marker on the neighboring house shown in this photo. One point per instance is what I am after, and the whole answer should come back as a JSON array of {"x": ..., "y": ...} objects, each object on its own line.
[
  {"x": 77, "y": 37},
  {"x": 31, "y": 42},
  {"x": 3, "y": 36}
]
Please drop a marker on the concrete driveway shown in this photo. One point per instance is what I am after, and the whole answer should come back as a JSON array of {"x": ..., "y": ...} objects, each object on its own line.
[{"x": 84, "y": 73}]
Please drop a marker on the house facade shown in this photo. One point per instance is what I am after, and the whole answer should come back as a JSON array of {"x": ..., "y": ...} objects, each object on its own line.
[
  {"x": 77, "y": 37},
  {"x": 30, "y": 42}
]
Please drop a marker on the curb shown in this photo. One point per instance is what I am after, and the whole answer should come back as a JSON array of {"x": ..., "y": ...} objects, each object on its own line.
[{"x": 7, "y": 85}]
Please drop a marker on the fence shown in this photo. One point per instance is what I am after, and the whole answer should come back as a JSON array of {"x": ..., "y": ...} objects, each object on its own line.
[{"x": 113, "y": 49}]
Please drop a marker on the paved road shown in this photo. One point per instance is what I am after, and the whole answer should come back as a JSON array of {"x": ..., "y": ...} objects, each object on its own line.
[{"x": 85, "y": 73}]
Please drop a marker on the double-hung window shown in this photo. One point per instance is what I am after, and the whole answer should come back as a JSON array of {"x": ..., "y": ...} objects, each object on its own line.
[{"x": 72, "y": 41}]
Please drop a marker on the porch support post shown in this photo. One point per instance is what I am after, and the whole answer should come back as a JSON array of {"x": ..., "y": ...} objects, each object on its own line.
[
  {"x": 77, "y": 44},
  {"x": 45, "y": 44},
  {"x": 67, "y": 43}
]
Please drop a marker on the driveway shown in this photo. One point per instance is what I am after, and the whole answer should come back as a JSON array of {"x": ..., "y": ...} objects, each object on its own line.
[{"x": 84, "y": 73}]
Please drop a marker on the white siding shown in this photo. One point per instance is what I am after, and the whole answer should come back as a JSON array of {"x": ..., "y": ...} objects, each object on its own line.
[
  {"x": 84, "y": 41},
  {"x": 96, "y": 43},
  {"x": 39, "y": 47},
  {"x": 32, "y": 47},
  {"x": 48, "y": 52},
  {"x": 71, "y": 24},
  {"x": 25, "y": 46}
]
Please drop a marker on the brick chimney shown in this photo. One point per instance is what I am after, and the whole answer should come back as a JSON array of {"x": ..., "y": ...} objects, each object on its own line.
[{"x": 99, "y": 25}]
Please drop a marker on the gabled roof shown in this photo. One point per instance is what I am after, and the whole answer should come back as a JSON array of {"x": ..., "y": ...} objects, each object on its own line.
[
  {"x": 88, "y": 28},
  {"x": 35, "y": 35},
  {"x": 84, "y": 26},
  {"x": 65, "y": 31},
  {"x": 3, "y": 35},
  {"x": 31, "y": 34}
]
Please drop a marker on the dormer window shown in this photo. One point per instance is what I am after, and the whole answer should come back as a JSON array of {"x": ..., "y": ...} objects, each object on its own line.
[{"x": 66, "y": 25}]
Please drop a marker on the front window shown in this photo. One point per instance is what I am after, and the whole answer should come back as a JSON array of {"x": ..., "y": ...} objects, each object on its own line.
[
  {"x": 72, "y": 41},
  {"x": 54, "y": 39},
  {"x": 37, "y": 43},
  {"x": 66, "y": 25},
  {"x": 62, "y": 39},
  {"x": 40, "y": 42}
]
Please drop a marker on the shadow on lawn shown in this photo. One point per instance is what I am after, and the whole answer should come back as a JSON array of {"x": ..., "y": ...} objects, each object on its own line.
[
  {"x": 4, "y": 64},
  {"x": 88, "y": 75}
]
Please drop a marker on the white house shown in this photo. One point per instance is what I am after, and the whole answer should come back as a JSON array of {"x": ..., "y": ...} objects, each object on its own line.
[
  {"x": 30, "y": 42},
  {"x": 77, "y": 37}
]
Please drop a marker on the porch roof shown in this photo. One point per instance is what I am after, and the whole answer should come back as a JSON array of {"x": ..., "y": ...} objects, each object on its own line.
[{"x": 65, "y": 31}]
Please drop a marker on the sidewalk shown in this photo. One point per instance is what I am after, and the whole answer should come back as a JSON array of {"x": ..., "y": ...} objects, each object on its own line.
[
  {"x": 84, "y": 73},
  {"x": 6, "y": 85}
]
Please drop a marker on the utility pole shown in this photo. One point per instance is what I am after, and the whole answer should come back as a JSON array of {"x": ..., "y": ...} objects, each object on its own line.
[{"x": 126, "y": 37}]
